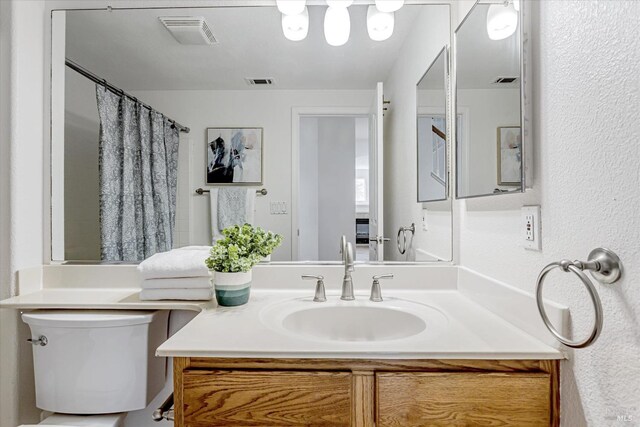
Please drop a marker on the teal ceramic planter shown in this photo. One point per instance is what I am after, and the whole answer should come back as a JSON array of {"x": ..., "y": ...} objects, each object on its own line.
[{"x": 232, "y": 289}]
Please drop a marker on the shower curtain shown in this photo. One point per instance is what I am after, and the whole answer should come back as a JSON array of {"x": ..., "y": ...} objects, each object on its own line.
[{"x": 138, "y": 163}]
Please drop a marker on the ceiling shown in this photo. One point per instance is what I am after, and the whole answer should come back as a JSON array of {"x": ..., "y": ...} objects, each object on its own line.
[
  {"x": 133, "y": 50},
  {"x": 481, "y": 60}
]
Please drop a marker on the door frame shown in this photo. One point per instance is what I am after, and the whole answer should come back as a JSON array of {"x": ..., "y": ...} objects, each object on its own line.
[{"x": 296, "y": 114}]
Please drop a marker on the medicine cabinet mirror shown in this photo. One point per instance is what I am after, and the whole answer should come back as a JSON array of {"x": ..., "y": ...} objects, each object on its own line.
[
  {"x": 489, "y": 97},
  {"x": 432, "y": 139}
]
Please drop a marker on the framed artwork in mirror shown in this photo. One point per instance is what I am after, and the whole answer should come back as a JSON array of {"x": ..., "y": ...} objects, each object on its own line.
[
  {"x": 234, "y": 156},
  {"x": 509, "y": 155}
]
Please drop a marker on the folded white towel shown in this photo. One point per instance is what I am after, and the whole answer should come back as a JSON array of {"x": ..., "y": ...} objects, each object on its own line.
[
  {"x": 176, "y": 294},
  {"x": 249, "y": 214},
  {"x": 175, "y": 263},
  {"x": 178, "y": 283}
]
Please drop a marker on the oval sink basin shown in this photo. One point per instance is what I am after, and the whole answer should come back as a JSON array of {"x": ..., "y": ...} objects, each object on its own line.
[
  {"x": 340, "y": 323},
  {"x": 354, "y": 321}
]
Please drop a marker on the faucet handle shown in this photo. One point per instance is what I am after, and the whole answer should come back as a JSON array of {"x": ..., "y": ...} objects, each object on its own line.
[
  {"x": 320, "y": 295},
  {"x": 376, "y": 293}
]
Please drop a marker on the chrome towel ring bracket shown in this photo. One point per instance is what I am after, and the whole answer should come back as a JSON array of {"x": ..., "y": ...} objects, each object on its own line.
[
  {"x": 605, "y": 266},
  {"x": 402, "y": 231}
]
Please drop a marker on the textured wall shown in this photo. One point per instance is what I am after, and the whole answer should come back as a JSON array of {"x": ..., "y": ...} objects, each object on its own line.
[{"x": 587, "y": 130}]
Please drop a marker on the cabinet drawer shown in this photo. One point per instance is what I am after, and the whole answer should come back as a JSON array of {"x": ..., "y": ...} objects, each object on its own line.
[
  {"x": 463, "y": 399},
  {"x": 266, "y": 398}
]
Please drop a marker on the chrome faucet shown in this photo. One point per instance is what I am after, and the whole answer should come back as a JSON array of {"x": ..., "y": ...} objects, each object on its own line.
[{"x": 346, "y": 248}]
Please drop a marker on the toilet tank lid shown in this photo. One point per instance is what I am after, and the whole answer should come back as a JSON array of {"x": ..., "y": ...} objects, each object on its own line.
[{"x": 87, "y": 318}]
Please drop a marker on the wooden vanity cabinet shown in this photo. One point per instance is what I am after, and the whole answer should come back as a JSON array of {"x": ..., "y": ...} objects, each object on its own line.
[{"x": 319, "y": 392}]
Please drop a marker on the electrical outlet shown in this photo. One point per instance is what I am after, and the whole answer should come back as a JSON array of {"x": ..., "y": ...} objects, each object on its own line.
[{"x": 531, "y": 227}]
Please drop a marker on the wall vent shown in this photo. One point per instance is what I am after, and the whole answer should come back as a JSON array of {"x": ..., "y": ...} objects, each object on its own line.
[
  {"x": 505, "y": 80},
  {"x": 259, "y": 82},
  {"x": 189, "y": 29}
]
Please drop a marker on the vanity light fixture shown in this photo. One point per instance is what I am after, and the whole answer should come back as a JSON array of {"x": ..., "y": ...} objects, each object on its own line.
[
  {"x": 389, "y": 5},
  {"x": 337, "y": 25},
  {"x": 502, "y": 20},
  {"x": 296, "y": 27},
  {"x": 291, "y": 7},
  {"x": 379, "y": 24},
  {"x": 339, "y": 3}
]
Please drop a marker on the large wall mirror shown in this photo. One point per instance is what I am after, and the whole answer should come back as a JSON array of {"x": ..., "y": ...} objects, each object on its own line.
[
  {"x": 489, "y": 101},
  {"x": 168, "y": 124}
]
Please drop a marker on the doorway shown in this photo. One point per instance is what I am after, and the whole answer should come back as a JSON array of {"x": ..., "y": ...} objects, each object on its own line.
[{"x": 333, "y": 186}]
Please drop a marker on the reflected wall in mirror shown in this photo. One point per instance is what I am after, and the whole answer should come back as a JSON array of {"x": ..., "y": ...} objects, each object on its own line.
[
  {"x": 488, "y": 102},
  {"x": 334, "y": 162},
  {"x": 433, "y": 170}
]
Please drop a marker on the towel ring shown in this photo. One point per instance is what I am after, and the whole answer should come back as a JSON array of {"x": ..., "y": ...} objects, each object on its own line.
[
  {"x": 403, "y": 231},
  {"x": 605, "y": 266}
]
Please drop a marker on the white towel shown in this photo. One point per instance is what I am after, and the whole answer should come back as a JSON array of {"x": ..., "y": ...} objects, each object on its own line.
[
  {"x": 176, "y": 294},
  {"x": 249, "y": 214},
  {"x": 178, "y": 283},
  {"x": 175, "y": 263}
]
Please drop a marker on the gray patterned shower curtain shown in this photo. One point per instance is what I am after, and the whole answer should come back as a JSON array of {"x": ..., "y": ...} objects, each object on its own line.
[{"x": 138, "y": 162}]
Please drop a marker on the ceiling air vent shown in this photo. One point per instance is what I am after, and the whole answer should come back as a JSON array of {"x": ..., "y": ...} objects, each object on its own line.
[
  {"x": 259, "y": 82},
  {"x": 505, "y": 80},
  {"x": 189, "y": 29}
]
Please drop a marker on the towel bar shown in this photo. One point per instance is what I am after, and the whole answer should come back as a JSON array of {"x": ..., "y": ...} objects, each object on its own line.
[{"x": 261, "y": 192}]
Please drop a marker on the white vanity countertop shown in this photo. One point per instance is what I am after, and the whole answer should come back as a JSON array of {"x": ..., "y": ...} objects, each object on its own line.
[{"x": 470, "y": 331}]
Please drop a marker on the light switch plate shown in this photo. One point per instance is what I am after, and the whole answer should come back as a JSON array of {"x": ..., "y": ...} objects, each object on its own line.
[
  {"x": 531, "y": 227},
  {"x": 278, "y": 208}
]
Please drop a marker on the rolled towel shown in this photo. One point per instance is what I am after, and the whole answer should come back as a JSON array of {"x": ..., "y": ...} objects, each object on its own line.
[
  {"x": 176, "y": 294},
  {"x": 178, "y": 283},
  {"x": 175, "y": 263}
]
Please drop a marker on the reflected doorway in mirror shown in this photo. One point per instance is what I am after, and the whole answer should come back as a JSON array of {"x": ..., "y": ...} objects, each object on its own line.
[
  {"x": 509, "y": 155},
  {"x": 234, "y": 156}
]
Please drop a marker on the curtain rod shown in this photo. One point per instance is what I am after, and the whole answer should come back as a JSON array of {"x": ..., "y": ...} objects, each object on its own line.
[{"x": 88, "y": 74}]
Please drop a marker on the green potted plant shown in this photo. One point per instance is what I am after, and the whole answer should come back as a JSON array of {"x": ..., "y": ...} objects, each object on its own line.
[{"x": 233, "y": 257}]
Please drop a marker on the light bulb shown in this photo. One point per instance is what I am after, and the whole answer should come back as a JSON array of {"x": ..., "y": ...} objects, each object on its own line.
[
  {"x": 291, "y": 7},
  {"x": 296, "y": 27},
  {"x": 502, "y": 21},
  {"x": 389, "y": 5},
  {"x": 337, "y": 25},
  {"x": 339, "y": 3},
  {"x": 379, "y": 24}
]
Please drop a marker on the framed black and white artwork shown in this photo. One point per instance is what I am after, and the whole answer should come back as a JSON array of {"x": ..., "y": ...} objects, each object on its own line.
[{"x": 234, "y": 156}]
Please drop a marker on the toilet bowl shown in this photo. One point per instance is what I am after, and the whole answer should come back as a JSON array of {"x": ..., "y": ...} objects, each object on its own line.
[{"x": 91, "y": 367}]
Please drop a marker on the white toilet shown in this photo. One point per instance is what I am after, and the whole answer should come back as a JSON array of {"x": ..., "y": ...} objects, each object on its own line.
[{"x": 93, "y": 366}]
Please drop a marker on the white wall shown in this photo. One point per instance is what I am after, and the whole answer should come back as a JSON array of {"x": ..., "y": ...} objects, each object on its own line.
[
  {"x": 586, "y": 125},
  {"x": 270, "y": 109},
  {"x": 430, "y": 33},
  {"x": 22, "y": 33}
]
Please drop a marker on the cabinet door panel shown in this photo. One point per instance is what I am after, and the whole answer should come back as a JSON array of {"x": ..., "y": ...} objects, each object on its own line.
[
  {"x": 266, "y": 398},
  {"x": 463, "y": 399}
]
